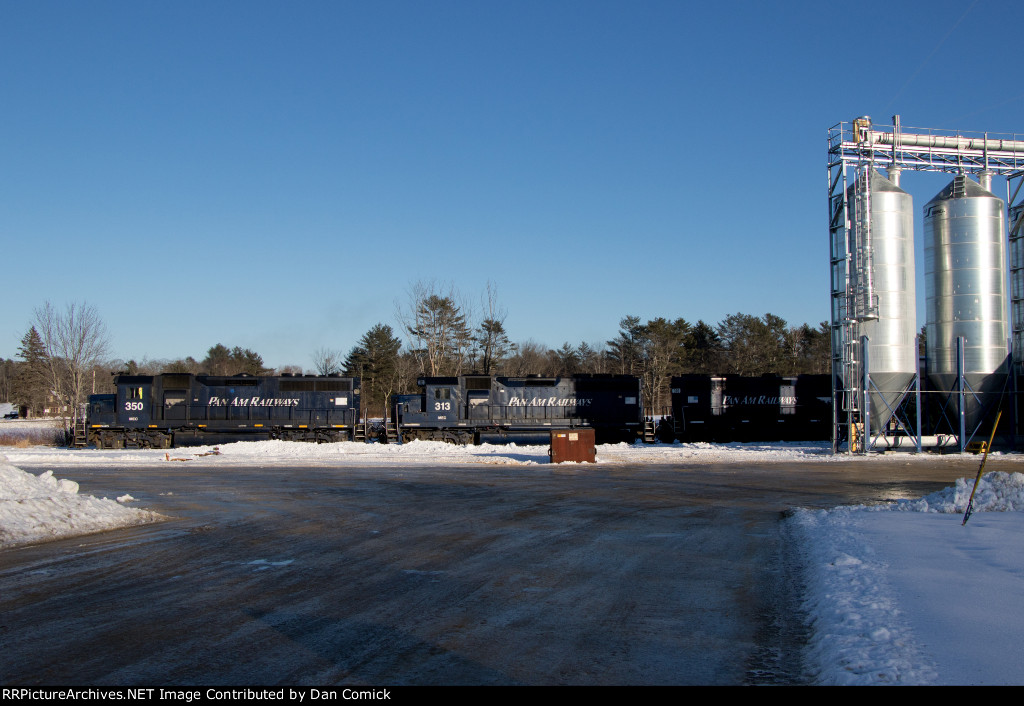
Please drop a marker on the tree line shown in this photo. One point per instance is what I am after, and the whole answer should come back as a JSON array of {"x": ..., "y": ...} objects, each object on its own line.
[{"x": 443, "y": 335}]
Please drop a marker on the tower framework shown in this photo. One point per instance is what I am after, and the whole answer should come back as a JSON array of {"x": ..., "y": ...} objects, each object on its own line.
[{"x": 855, "y": 150}]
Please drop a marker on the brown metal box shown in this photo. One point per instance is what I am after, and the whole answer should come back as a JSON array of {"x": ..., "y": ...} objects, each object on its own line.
[{"x": 575, "y": 445}]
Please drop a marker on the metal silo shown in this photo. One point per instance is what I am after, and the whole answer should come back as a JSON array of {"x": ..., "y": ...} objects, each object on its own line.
[
  {"x": 882, "y": 265},
  {"x": 1016, "y": 233},
  {"x": 966, "y": 291}
]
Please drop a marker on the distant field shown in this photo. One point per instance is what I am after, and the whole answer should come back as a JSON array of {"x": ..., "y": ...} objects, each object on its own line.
[{"x": 29, "y": 432}]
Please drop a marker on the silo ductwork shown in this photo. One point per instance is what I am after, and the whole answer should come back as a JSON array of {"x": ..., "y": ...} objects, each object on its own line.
[
  {"x": 966, "y": 291},
  {"x": 889, "y": 270}
]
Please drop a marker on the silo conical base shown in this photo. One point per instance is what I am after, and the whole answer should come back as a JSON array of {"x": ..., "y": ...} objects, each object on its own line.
[
  {"x": 983, "y": 394},
  {"x": 887, "y": 391}
]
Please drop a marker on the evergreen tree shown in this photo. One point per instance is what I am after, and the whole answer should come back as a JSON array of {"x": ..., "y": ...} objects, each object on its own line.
[
  {"x": 248, "y": 362},
  {"x": 375, "y": 360},
  {"x": 754, "y": 346},
  {"x": 704, "y": 349},
  {"x": 566, "y": 360},
  {"x": 662, "y": 353},
  {"x": 440, "y": 333},
  {"x": 625, "y": 352},
  {"x": 217, "y": 361},
  {"x": 7, "y": 368},
  {"x": 494, "y": 345},
  {"x": 220, "y": 360},
  {"x": 590, "y": 360},
  {"x": 31, "y": 379}
]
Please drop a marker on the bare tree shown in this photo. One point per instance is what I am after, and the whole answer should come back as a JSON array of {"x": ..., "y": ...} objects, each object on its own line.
[
  {"x": 75, "y": 342},
  {"x": 491, "y": 335},
  {"x": 528, "y": 358},
  {"x": 327, "y": 361}
]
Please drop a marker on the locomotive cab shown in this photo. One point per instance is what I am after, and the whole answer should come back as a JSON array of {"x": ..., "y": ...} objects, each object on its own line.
[
  {"x": 134, "y": 401},
  {"x": 101, "y": 410}
]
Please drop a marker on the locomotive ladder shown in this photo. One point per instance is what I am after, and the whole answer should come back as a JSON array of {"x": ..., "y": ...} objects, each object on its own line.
[
  {"x": 649, "y": 430},
  {"x": 80, "y": 438},
  {"x": 361, "y": 431}
]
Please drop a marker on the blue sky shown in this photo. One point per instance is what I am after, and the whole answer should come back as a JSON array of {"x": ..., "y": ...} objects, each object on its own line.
[{"x": 276, "y": 175}]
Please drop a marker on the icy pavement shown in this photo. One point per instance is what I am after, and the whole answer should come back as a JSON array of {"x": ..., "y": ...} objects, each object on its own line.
[{"x": 898, "y": 593}]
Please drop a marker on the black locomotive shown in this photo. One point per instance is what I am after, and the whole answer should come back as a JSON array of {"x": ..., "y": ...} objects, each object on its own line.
[
  {"x": 735, "y": 408},
  {"x": 171, "y": 409},
  {"x": 487, "y": 409}
]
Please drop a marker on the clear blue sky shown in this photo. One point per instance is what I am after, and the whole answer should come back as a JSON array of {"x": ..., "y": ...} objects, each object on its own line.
[{"x": 275, "y": 175}]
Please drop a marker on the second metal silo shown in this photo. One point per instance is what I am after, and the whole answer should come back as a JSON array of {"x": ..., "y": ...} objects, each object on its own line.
[
  {"x": 882, "y": 266},
  {"x": 966, "y": 294}
]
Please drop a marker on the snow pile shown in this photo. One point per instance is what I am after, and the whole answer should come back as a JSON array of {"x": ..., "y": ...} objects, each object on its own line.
[
  {"x": 902, "y": 593},
  {"x": 39, "y": 508},
  {"x": 996, "y": 492}
]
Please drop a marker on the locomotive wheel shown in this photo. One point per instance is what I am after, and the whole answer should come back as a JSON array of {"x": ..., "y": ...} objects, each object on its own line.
[{"x": 456, "y": 438}]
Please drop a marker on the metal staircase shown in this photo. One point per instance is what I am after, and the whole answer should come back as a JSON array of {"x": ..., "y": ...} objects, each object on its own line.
[{"x": 79, "y": 436}]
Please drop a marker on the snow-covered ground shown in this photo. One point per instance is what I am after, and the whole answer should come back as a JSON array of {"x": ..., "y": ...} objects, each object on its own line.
[
  {"x": 899, "y": 593},
  {"x": 904, "y": 593}
]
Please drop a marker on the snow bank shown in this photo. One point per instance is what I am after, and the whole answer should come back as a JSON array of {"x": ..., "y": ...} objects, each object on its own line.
[
  {"x": 902, "y": 593},
  {"x": 425, "y": 452},
  {"x": 39, "y": 508},
  {"x": 996, "y": 492}
]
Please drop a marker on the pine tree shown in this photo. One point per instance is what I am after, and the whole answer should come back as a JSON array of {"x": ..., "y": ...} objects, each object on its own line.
[
  {"x": 375, "y": 360},
  {"x": 31, "y": 381},
  {"x": 625, "y": 351},
  {"x": 494, "y": 345}
]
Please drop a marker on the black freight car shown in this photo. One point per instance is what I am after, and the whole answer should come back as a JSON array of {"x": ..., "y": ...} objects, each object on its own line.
[
  {"x": 736, "y": 408},
  {"x": 470, "y": 409},
  {"x": 172, "y": 409}
]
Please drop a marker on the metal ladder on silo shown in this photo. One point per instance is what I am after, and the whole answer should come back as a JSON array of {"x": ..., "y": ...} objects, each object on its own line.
[{"x": 861, "y": 305}]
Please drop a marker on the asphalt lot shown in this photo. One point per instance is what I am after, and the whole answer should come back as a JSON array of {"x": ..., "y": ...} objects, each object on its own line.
[{"x": 433, "y": 575}]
